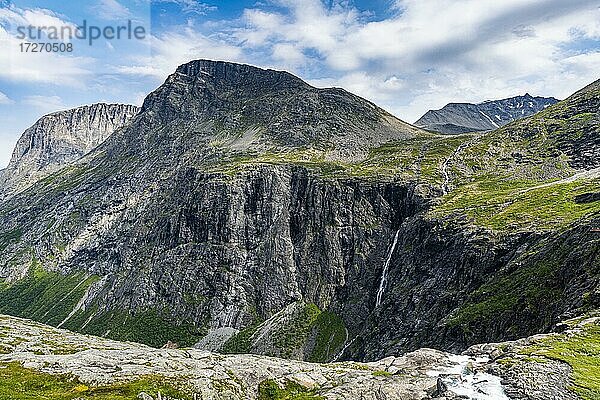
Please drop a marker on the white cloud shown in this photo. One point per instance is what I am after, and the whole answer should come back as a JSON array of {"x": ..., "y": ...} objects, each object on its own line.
[
  {"x": 37, "y": 17},
  {"x": 385, "y": 88},
  {"x": 432, "y": 52},
  {"x": 172, "y": 49},
  {"x": 4, "y": 99},
  {"x": 288, "y": 54},
  {"x": 111, "y": 10},
  {"x": 19, "y": 66},
  {"x": 45, "y": 104}
]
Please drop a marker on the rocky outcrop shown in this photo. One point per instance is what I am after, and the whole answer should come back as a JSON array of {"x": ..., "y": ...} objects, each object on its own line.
[
  {"x": 58, "y": 139},
  {"x": 558, "y": 366},
  {"x": 456, "y": 118},
  {"x": 99, "y": 363}
]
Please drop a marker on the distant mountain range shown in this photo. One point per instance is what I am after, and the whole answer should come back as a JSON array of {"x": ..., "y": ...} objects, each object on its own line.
[{"x": 456, "y": 118}]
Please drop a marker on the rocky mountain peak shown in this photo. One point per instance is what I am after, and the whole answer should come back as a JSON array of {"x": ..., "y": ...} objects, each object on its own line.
[
  {"x": 214, "y": 82},
  {"x": 58, "y": 139},
  {"x": 239, "y": 75},
  {"x": 253, "y": 108}
]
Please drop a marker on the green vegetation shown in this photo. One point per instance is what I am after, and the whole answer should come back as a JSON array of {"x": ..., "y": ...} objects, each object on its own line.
[
  {"x": 419, "y": 158},
  {"x": 330, "y": 337},
  {"x": 65, "y": 179},
  {"x": 44, "y": 296},
  {"x": 581, "y": 351},
  {"x": 319, "y": 333},
  {"x": 270, "y": 390},
  {"x": 531, "y": 287},
  {"x": 50, "y": 297},
  {"x": 10, "y": 237},
  {"x": 382, "y": 373},
  {"x": 521, "y": 292},
  {"x": 240, "y": 343},
  {"x": 18, "y": 383},
  {"x": 150, "y": 327},
  {"x": 502, "y": 204},
  {"x": 293, "y": 336}
]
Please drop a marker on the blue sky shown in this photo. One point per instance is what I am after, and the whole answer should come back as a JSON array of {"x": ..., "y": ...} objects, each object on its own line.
[{"x": 406, "y": 55}]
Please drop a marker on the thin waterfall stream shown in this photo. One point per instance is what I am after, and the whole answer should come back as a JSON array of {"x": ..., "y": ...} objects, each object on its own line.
[{"x": 385, "y": 270}]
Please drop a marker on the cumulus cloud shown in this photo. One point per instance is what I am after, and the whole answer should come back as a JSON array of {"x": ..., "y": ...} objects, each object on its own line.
[
  {"x": 428, "y": 53},
  {"x": 18, "y": 66},
  {"x": 172, "y": 49}
]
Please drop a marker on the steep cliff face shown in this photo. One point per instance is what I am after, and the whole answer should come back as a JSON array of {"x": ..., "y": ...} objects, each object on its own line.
[
  {"x": 59, "y": 139},
  {"x": 243, "y": 206},
  {"x": 161, "y": 236},
  {"x": 456, "y": 118}
]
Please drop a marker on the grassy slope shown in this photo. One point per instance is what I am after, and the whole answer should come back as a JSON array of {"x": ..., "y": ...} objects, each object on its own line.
[
  {"x": 514, "y": 178},
  {"x": 581, "y": 350},
  {"x": 417, "y": 159},
  {"x": 50, "y": 297},
  {"x": 326, "y": 328},
  {"x": 18, "y": 383}
]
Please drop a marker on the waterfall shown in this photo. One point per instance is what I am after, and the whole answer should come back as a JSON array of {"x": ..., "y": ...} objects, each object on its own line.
[
  {"x": 348, "y": 344},
  {"x": 464, "y": 378},
  {"x": 385, "y": 270}
]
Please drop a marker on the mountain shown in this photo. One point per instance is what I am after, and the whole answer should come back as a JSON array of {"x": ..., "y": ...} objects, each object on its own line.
[
  {"x": 77, "y": 365},
  {"x": 59, "y": 139},
  {"x": 190, "y": 186},
  {"x": 243, "y": 210},
  {"x": 456, "y": 118}
]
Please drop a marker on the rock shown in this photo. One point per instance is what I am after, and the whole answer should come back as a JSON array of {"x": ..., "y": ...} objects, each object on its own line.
[
  {"x": 59, "y": 139},
  {"x": 587, "y": 198},
  {"x": 98, "y": 361},
  {"x": 457, "y": 118},
  {"x": 441, "y": 388}
]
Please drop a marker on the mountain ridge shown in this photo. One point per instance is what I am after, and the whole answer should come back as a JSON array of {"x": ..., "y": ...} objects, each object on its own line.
[
  {"x": 58, "y": 139},
  {"x": 456, "y": 118}
]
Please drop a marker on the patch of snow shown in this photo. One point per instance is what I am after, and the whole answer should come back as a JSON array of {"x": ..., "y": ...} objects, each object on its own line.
[{"x": 489, "y": 119}]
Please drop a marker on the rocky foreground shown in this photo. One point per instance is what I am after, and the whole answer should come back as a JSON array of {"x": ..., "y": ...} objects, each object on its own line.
[{"x": 39, "y": 361}]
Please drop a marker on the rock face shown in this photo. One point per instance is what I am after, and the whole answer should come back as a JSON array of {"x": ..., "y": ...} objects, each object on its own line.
[
  {"x": 456, "y": 118},
  {"x": 238, "y": 249},
  {"x": 59, "y": 139},
  {"x": 240, "y": 210},
  {"x": 241, "y": 107}
]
